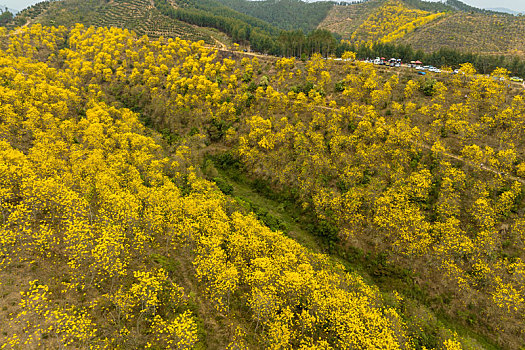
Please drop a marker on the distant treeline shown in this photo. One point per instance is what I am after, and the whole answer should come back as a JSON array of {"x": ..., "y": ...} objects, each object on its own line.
[
  {"x": 244, "y": 29},
  {"x": 29, "y": 12},
  {"x": 295, "y": 43}
]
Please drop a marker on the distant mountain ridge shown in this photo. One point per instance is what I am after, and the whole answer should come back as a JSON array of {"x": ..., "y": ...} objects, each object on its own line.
[{"x": 505, "y": 10}]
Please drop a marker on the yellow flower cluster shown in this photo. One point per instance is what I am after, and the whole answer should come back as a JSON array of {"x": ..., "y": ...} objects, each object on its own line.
[
  {"x": 140, "y": 251},
  {"x": 91, "y": 203}
]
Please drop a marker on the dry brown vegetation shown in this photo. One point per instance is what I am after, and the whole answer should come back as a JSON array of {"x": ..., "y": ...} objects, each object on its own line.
[
  {"x": 344, "y": 20},
  {"x": 471, "y": 32},
  {"x": 138, "y": 15}
]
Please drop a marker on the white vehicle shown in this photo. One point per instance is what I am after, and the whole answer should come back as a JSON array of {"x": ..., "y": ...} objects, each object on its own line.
[{"x": 419, "y": 67}]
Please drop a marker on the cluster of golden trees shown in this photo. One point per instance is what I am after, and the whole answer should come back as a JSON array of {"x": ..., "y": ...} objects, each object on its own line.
[
  {"x": 119, "y": 242},
  {"x": 427, "y": 178},
  {"x": 108, "y": 242}
]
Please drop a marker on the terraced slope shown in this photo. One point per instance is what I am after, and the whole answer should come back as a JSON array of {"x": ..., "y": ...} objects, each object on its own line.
[{"x": 137, "y": 15}]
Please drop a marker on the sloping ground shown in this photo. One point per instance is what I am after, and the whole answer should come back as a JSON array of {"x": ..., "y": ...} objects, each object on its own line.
[
  {"x": 386, "y": 20},
  {"x": 406, "y": 22},
  {"x": 344, "y": 20},
  {"x": 107, "y": 243},
  {"x": 137, "y": 15},
  {"x": 87, "y": 201},
  {"x": 35, "y": 10},
  {"x": 27, "y": 15},
  {"x": 471, "y": 32},
  {"x": 285, "y": 14},
  {"x": 376, "y": 20}
]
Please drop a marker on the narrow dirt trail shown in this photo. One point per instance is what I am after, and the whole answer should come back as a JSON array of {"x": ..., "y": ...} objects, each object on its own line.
[
  {"x": 420, "y": 144},
  {"x": 20, "y": 29},
  {"x": 221, "y": 44}
]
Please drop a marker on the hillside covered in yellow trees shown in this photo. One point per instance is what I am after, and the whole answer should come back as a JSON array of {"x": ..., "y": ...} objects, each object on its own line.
[
  {"x": 159, "y": 194},
  {"x": 427, "y": 26}
]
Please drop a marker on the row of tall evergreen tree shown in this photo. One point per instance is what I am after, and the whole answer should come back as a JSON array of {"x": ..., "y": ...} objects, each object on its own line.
[{"x": 484, "y": 64}]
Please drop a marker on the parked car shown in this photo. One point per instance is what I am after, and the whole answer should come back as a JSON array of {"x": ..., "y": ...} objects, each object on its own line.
[
  {"x": 421, "y": 73},
  {"x": 517, "y": 79}
]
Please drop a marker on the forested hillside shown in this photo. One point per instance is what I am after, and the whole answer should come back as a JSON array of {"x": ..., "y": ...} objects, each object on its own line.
[
  {"x": 296, "y": 28},
  {"x": 5, "y": 17},
  {"x": 391, "y": 21},
  {"x": 428, "y": 25},
  {"x": 378, "y": 20},
  {"x": 137, "y": 15},
  {"x": 484, "y": 33},
  {"x": 284, "y": 14},
  {"x": 30, "y": 13},
  {"x": 136, "y": 177},
  {"x": 344, "y": 20}
]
